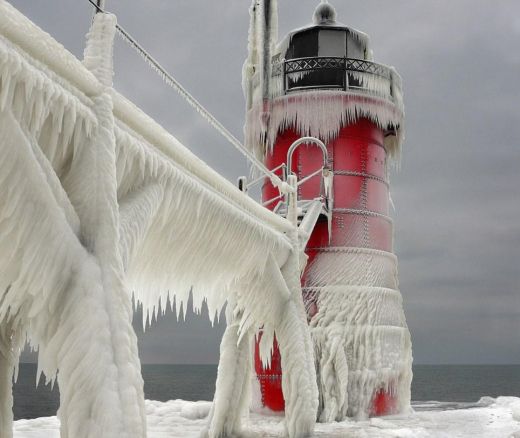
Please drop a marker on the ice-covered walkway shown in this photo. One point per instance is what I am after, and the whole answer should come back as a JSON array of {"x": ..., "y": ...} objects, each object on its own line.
[
  {"x": 490, "y": 418},
  {"x": 99, "y": 204}
]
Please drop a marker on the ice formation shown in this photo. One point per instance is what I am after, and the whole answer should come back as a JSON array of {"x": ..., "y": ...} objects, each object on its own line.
[
  {"x": 321, "y": 115},
  {"x": 98, "y": 202}
]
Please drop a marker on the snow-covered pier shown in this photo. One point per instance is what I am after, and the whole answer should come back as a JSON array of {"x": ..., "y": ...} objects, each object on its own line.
[{"x": 489, "y": 418}]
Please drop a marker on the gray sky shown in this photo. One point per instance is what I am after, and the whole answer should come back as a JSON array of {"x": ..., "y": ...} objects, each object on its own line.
[{"x": 457, "y": 195}]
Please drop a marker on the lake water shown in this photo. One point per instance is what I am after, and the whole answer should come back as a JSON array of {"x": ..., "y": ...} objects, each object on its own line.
[{"x": 455, "y": 383}]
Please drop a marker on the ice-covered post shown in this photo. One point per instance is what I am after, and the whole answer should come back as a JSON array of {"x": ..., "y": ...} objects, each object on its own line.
[
  {"x": 11, "y": 343},
  {"x": 232, "y": 393},
  {"x": 292, "y": 200},
  {"x": 114, "y": 404},
  {"x": 298, "y": 378}
]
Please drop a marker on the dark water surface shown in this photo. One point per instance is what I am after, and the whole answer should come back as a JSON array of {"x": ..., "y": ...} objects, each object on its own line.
[{"x": 456, "y": 383}]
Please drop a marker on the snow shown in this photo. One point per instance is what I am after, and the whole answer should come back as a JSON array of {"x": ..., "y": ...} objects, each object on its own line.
[
  {"x": 489, "y": 418},
  {"x": 516, "y": 410}
]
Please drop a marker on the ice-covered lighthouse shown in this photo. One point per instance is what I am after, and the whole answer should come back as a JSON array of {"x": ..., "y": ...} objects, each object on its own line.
[{"x": 321, "y": 81}]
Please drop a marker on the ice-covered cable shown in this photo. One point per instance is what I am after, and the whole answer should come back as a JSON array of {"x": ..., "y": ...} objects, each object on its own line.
[{"x": 172, "y": 82}]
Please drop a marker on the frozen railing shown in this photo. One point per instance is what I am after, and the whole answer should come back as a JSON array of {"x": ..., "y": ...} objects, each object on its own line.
[
  {"x": 338, "y": 73},
  {"x": 351, "y": 88},
  {"x": 280, "y": 203},
  {"x": 331, "y": 73}
]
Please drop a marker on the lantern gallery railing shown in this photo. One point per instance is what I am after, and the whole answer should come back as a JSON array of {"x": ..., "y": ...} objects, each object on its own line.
[{"x": 338, "y": 73}]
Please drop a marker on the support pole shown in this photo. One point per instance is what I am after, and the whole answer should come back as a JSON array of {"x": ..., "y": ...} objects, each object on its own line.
[
  {"x": 292, "y": 200},
  {"x": 265, "y": 61},
  {"x": 266, "y": 47},
  {"x": 309, "y": 140}
]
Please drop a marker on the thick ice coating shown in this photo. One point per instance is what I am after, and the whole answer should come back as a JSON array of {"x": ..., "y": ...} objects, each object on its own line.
[{"x": 97, "y": 203}]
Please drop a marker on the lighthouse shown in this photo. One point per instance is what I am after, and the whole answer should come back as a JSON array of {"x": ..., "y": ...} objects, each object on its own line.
[{"x": 321, "y": 81}]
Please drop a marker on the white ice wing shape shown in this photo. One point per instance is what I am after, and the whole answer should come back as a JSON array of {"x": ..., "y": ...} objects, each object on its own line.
[
  {"x": 95, "y": 196},
  {"x": 195, "y": 239}
]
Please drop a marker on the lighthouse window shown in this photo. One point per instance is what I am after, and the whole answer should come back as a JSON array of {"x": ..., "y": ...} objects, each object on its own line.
[
  {"x": 304, "y": 45},
  {"x": 321, "y": 72},
  {"x": 332, "y": 43},
  {"x": 354, "y": 48}
]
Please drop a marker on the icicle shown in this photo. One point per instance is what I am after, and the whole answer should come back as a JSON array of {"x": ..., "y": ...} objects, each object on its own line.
[
  {"x": 360, "y": 334},
  {"x": 321, "y": 114},
  {"x": 6, "y": 88},
  {"x": 376, "y": 84},
  {"x": 43, "y": 94}
]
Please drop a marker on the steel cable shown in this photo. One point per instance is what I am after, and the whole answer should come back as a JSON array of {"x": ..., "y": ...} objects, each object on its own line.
[{"x": 173, "y": 83}]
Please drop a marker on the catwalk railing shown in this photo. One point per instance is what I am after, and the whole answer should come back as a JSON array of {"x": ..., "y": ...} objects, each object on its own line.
[{"x": 338, "y": 73}]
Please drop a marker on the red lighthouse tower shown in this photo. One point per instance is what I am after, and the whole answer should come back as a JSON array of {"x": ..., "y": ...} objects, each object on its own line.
[{"x": 321, "y": 81}]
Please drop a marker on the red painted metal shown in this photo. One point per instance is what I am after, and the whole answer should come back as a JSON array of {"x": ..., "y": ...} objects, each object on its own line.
[
  {"x": 383, "y": 403},
  {"x": 270, "y": 379},
  {"x": 359, "y": 219}
]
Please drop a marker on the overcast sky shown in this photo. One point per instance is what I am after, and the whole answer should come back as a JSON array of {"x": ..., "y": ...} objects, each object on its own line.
[{"x": 457, "y": 194}]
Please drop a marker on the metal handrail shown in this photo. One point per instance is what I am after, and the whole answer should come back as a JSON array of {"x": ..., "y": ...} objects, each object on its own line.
[
  {"x": 296, "y": 65},
  {"x": 270, "y": 201},
  {"x": 291, "y": 196},
  {"x": 308, "y": 177},
  {"x": 301, "y": 141},
  {"x": 342, "y": 65},
  {"x": 262, "y": 178},
  {"x": 327, "y": 195}
]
